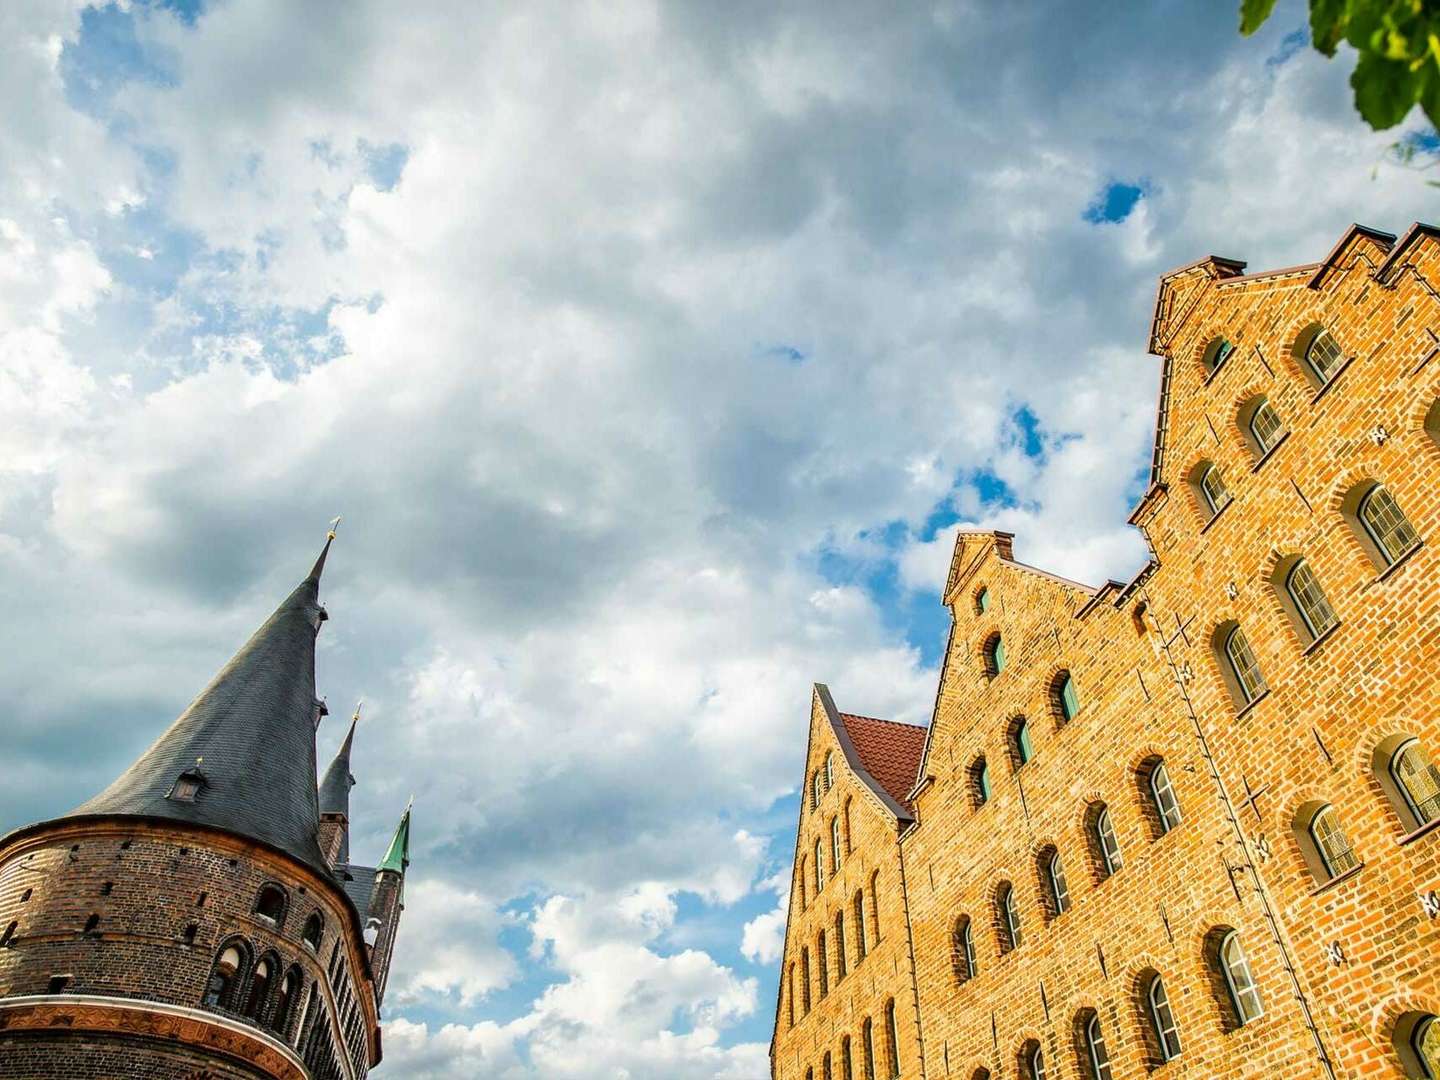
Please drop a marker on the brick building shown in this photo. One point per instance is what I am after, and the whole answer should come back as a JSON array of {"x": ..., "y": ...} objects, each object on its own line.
[
  {"x": 200, "y": 918},
  {"x": 1187, "y": 825}
]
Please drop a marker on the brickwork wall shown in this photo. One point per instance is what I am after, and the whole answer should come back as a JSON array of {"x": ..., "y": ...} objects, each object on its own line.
[
  {"x": 1152, "y": 684},
  {"x": 78, "y": 1057},
  {"x": 168, "y": 901},
  {"x": 870, "y": 864}
]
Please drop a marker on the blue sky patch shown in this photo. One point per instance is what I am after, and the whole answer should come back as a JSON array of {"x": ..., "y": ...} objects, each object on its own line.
[
  {"x": 1290, "y": 44},
  {"x": 1114, "y": 203},
  {"x": 384, "y": 164}
]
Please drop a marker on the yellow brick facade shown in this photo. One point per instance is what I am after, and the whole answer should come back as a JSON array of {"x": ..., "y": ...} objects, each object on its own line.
[{"x": 1344, "y": 957}]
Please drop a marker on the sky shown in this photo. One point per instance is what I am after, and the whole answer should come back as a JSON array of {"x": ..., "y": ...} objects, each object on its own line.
[{"x": 652, "y": 353}]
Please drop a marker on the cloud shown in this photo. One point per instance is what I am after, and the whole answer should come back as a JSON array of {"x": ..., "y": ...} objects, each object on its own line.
[{"x": 652, "y": 353}]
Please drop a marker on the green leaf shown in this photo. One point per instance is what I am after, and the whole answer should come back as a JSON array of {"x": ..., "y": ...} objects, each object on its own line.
[
  {"x": 1385, "y": 90},
  {"x": 1253, "y": 14},
  {"x": 1429, "y": 93},
  {"x": 1327, "y": 24}
]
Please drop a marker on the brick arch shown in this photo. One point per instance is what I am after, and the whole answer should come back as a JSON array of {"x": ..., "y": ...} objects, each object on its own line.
[
  {"x": 1197, "y": 353},
  {"x": 1352, "y": 476},
  {"x": 1423, "y": 414},
  {"x": 1387, "y": 1012},
  {"x": 1297, "y": 335},
  {"x": 1025, "y": 1042},
  {"x": 1058, "y": 672}
]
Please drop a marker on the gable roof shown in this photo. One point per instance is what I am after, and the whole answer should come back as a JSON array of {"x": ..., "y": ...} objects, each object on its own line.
[{"x": 889, "y": 750}]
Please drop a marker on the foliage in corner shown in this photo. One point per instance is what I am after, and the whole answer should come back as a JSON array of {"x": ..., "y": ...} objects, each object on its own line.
[{"x": 1399, "y": 46}]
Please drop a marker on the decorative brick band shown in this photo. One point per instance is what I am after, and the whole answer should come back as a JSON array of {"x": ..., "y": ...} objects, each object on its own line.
[{"x": 193, "y": 1028}]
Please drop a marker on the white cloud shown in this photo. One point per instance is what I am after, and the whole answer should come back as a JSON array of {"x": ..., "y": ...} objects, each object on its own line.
[{"x": 674, "y": 333}]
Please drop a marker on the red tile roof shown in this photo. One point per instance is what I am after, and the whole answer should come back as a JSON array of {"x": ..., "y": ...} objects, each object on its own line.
[{"x": 890, "y": 752}]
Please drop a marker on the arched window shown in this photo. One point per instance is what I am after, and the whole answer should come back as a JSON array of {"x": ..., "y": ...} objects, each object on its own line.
[
  {"x": 1386, "y": 524},
  {"x": 1235, "y": 969},
  {"x": 1323, "y": 356},
  {"x": 1097, "y": 1060},
  {"x": 826, "y": 1072},
  {"x": 875, "y": 903},
  {"x": 1418, "y": 781},
  {"x": 994, "y": 655},
  {"x": 790, "y": 993},
  {"x": 892, "y": 1041},
  {"x": 979, "y": 782},
  {"x": 259, "y": 985},
  {"x": 1417, "y": 1040},
  {"x": 1059, "y": 892},
  {"x": 860, "y": 943},
  {"x": 1007, "y": 918},
  {"x": 1249, "y": 682},
  {"x": 804, "y": 878},
  {"x": 1331, "y": 845},
  {"x": 840, "y": 958},
  {"x": 314, "y": 928},
  {"x": 963, "y": 949},
  {"x": 819, "y": 867},
  {"x": 1034, "y": 1062},
  {"x": 829, "y": 770},
  {"x": 289, "y": 991},
  {"x": 1212, "y": 489},
  {"x": 1265, "y": 427},
  {"x": 219, "y": 990},
  {"x": 867, "y": 1044},
  {"x": 1309, "y": 600},
  {"x": 1162, "y": 797},
  {"x": 805, "y": 979},
  {"x": 1020, "y": 745},
  {"x": 1162, "y": 1020},
  {"x": 1066, "y": 701},
  {"x": 847, "y": 1059},
  {"x": 835, "y": 845},
  {"x": 270, "y": 904},
  {"x": 1217, "y": 352},
  {"x": 815, "y": 791},
  {"x": 822, "y": 963},
  {"x": 982, "y": 601},
  {"x": 1107, "y": 847}
]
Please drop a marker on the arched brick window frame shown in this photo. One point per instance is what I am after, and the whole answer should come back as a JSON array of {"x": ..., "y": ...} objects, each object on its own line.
[
  {"x": 979, "y": 782},
  {"x": 272, "y": 901},
  {"x": 263, "y": 983},
  {"x": 1093, "y": 1048},
  {"x": 962, "y": 950},
  {"x": 1030, "y": 1063},
  {"x": 1238, "y": 663},
  {"x": 1408, "y": 773},
  {"x": 1152, "y": 779},
  {"x": 1155, "y": 1016},
  {"x": 1317, "y": 355},
  {"x": 1209, "y": 491},
  {"x": 287, "y": 1002},
  {"x": 1260, "y": 425},
  {"x": 1063, "y": 697},
  {"x": 1102, "y": 842},
  {"x": 226, "y": 984},
  {"x": 1377, "y": 522},
  {"x": 1214, "y": 353},
  {"x": 314, "y": 930},
  {"x": 1230, "y": 971},
  {"x": 1005, "y": 916},
  {"x": 992, "y": 654},
  {"x": 1019, "y": 741},
  {"x": 1054, "y": 887}
]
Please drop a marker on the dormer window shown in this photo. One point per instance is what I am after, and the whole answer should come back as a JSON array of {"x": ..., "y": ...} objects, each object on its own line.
[{"x": 187, "y": 786}]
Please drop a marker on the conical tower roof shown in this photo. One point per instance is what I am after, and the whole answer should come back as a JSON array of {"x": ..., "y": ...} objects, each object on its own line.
[
  {"x": 245, "y": 748},
  {"x": 398, "y": 857},
  {"x": 338, "y": 780}
]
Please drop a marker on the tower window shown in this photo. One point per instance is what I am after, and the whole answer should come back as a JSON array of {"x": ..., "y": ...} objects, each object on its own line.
[
  {"x": 58, "y": 984},
  {"x": 1162, "y": 797},
  {"x": 1059, "y": 892},
  {"x": 1096, "y": 1057},
  {"x": 1107, "y": 847},
  {"x": 964, "y": 950},
  {"x": 980, "y": 782},
  {"x": 1239, "y": 983},
  {"x": 994, "y": 655},
  {"x": 892, "y": 1041},
  {"x": 1323, "y": 357},
  {"x": 1244, "y": 668},
  {"x": 1265, "y": 427},
  {"x": 1162, "y": 1020},
  {"x": 1418, "y": 781},
  {"x": 92, "y": 925},
  {"x": 314, "y": 928},
  {"x": 1305, "y": 593},
  {"x": 270, "y": 904},
  {"x": 190, "y": 931},
  {"x": 221, "y": 986},
  {"x": 1066, "y": 700},
  {"x": 1007, "y": 918},
  {"x": 187, "y": 786},
  {"x": 1386, "y": 525},
  {"x": 1020, "y": 744},
  {"x": 9, "y": 933},
  {"x": 1330, "y": 844}
]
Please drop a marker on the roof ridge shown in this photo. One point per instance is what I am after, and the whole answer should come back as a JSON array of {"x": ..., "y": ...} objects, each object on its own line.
[{"x": 882, "y": 720}]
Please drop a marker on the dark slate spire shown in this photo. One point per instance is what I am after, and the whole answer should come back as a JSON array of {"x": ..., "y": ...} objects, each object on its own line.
[
  {"x": 242, "y": 756},
  {"x": 335, "y": 788}
]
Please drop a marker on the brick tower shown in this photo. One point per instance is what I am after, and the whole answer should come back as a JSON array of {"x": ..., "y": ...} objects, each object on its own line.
[{"x": 200, "y": 917}]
